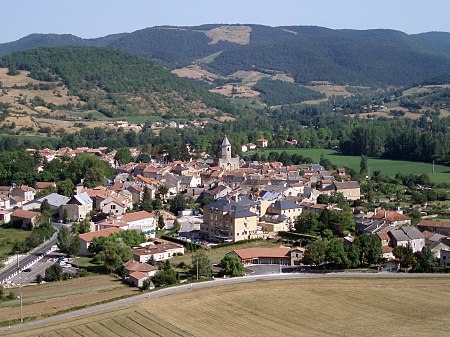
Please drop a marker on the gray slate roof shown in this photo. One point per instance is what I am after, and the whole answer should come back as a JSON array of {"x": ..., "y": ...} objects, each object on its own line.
[{"x": 285, "y": 204}]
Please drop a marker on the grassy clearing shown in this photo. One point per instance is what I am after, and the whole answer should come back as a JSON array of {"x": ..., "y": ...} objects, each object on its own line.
[
  {"x": 303, "y": 307},
  {"x": 386, "y": 166},
  {"x": 216, "y": 255},
  {"x": 49, "y": 298},
  {"x": 10, "y": 235}
]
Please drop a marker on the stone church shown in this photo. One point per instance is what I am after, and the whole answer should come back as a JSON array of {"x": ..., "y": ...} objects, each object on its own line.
[{"x": 226, "y": 162}]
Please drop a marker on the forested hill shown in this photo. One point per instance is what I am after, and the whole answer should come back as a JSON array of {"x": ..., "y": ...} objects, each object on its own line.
[
  {"x": 369, "y": 57},
  {"x": 115, "y": 82}
]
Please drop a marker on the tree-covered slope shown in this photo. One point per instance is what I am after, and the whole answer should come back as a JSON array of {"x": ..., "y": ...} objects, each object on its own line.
[
  {"x": 368, "y": 57},
  {"x": 117, "y": 82},
  {"x": 346, "y": 57}
]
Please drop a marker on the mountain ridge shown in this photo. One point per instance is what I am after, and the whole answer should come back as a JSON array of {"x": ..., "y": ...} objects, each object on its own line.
[{"x": 376, "y": 57}]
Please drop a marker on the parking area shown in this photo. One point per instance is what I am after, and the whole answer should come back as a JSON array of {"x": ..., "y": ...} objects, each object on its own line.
[
  {"x": 265, "y": 269},
  {"x": 28, "y": 276}
]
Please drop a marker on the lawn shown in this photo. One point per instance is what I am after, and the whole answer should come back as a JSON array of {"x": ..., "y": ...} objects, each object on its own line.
[
  {"x": 49, "y": 298},
  {"x": 303, "y": 307},
  {"x": 386, "y": 166},
  {"x": 216, "y": 255},
  {"x": 10, "y": 235}
]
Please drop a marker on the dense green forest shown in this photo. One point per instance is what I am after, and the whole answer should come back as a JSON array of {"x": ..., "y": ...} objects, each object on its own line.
[
  {"x": 371, "y": 57},
  {"x": 276, "y": 92},
  {"x": 118, "y": 75}
]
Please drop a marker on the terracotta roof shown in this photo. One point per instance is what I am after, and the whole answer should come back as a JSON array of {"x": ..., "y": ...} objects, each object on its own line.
[
  {"x": 428, "y": 234},
  {"x": 130, "y": 217},
  {"x": 249, "y": 253},
  {"x": 44, "y": 184},
  {"x": 346, "y": 185},
  {"x": 104, "y": 233},
  {"x": 434, "y": 223},
  {"x": 137, "y": 275},
  {"x": 139, "y": 267},
  {"x": 156, "y": 249},
  {"x": 5, "y": 188},
  {"x": 390, "y": 216},
  {"x": 383, "y": 236},
  {"x": 387, "y": 249},
  {"x": 19, "y": 213}
]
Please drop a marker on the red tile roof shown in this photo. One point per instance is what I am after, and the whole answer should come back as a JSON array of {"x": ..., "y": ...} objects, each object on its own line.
[
  {"x": 130, "y": 217},
  {"x": 104, "y": 233},
  {"x": 19, "y": 213},
  {"x": 390, "y": 216},
  {"x": 434, "y": 224}
]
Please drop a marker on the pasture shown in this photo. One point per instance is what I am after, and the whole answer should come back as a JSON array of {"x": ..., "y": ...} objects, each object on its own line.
[
  {"x": 386, "y": 166},
  {"x": 303, "y": 307},
  {"x": 8, "y": 236}
]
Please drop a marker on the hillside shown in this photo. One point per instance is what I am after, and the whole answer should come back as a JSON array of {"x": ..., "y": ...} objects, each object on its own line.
[
  {"x": 53, "y": 88},
  {"x": 367, "y": 57}
]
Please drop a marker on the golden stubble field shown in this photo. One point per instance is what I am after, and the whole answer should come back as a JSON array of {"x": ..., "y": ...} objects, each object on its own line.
[
  {"x": 304, "y": 307},
  {"x": 50, "y": 298}
]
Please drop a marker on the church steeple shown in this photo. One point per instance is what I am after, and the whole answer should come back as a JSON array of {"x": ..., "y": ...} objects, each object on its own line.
[{"x": 226, "y": 148}]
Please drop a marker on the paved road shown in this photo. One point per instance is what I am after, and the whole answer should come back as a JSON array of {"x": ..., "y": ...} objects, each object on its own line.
[
  {"x": 214, "y": 283},
  {"x": 29, "y": 258}
]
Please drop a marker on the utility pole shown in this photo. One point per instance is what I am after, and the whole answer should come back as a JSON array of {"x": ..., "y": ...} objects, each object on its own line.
[
  {"x": 18, "y": 268},
  {"x": 21, "y": 307},
  {"x": 197, "y": 266}
]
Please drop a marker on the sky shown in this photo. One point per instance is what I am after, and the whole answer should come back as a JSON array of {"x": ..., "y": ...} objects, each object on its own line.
[{"x": 95, "y": 18}]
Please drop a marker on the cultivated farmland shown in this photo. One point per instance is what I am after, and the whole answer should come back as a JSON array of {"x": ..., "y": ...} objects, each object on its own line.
[
  {"x": 304, "y": 307},
  {"x": 49, "y": 298}
]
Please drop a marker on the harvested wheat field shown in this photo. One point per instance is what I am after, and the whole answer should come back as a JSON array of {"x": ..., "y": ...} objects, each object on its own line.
[
  {"x": 49, "y": 298},
  {"x": 304, "y": 307}
]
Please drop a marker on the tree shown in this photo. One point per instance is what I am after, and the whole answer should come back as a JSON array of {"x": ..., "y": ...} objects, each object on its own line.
[
  {"x": 39, "y": 279},
  {"x": 336, "y": 254},
  {"x": 53, "y": 273},
  {"x": 114, "y": 254},
  {"x": 165, "y": 277},
  {"x": 68, "y": 242},
  {"x": 201, "y": 265},
  {"x": 363, "y": 165},
  {"x": 369, "y": 249},
  {"x": 307, "y": 223},
  {"x": 45, "y": 206},
  {"x": 316, "y": 253},
  {"x": 178, "y": 203},
  {"x": 123, "y": 156},
  {"x": 82, "y": 227},
  {"x": 207, "y": 201},
  {"x": 162, "y": 191},
  {"x": 65, "y": 187},
  {"x": 231, "y": 266},
  {"x": 405, "y": 255},
  {"x": 161, "y": 223},
  {"x": 427, "y": 262}
]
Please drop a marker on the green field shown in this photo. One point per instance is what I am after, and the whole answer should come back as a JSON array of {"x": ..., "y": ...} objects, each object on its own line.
[
  {"x": 10, "y": 235},
  {"x": 302, "y": 307},
  {"x": 33, "y": 138},
  {"x": 386, "y": 166}
]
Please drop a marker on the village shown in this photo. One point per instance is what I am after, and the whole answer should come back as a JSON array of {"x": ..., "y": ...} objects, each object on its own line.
[{"x": 234, "y": 201}]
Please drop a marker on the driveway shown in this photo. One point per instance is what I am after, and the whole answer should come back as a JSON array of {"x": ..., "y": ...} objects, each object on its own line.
[{"x": 266, "y": 269}]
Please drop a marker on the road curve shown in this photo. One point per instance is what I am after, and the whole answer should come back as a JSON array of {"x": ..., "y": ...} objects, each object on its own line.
[{"x": 214, "y": 283}]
